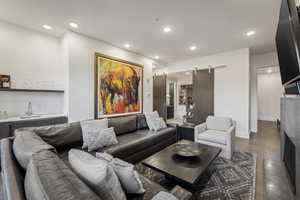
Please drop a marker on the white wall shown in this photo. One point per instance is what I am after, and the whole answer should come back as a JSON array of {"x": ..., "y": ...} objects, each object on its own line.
[
  {"x": 258, "y": 61},
  {"x": 231, "y": 84},
  {"x": 33, "y": 60},
  {"x": 81, "y": 51},
  {"x": 269, "y": 92}
]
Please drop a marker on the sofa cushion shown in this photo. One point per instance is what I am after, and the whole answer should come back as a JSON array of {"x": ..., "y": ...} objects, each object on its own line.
[
  {"x": 47, "y": 177},
  {"x": 141, "y": 122},
  {"x": 214, "y": 136},
  {"x": 137, "y": 141},
  {"x": 122, "y": 125},
  {"x": 98, "y": 174},
  {"x": 26, "y": 143},
  {"x": 218, "y": 123},
  {"x": 60, "y": 136}
]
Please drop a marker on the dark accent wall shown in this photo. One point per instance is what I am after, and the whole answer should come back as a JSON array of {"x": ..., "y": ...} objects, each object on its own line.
[
  {"x": 159, "y": 95},
  {"x": 203, "y": 95}
]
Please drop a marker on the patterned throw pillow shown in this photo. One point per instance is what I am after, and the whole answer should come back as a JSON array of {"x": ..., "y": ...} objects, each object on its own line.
[
  {"x": 149, "y": 118},
  {"x": 106, "y": 137},
  {"x": 158, "y": 124},
  {"x": 129, "y": 178},
  {"x": 98, "y": 174},
  {"x": 90, "y": 128}
]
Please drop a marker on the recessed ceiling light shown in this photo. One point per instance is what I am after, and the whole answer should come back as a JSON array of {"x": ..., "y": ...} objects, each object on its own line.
[
  {"x": 250, "y": 33},
  {"x": 73, "y": 25},
  {"x": 47, "y": 27},
  {"x": 167, "y": 29},
  {"x": 193, "y": 48},
  {"x": 156, "y": 57},
  {"x": 127, "y": 45}
]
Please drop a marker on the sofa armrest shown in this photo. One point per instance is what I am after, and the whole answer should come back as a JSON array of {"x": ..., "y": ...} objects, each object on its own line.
[
  {"x": 199, "y": 129},
  {"x": 172, "y": 125},
  {"x": 231, "y": 131},
  {"x": 181, "y": 193},
  {"x": 11, "y": 173}
]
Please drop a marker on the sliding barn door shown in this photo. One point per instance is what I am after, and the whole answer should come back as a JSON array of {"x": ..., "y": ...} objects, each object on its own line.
[
  {"x": 159, "y": 95},
  {"x": 203, "y": 95}
]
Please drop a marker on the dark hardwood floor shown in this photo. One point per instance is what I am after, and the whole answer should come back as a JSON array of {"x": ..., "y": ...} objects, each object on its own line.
[{"x": 272, "y": 181}]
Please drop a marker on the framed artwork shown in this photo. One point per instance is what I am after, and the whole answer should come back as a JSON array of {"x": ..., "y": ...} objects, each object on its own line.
[{"x": 118, "y": 87}]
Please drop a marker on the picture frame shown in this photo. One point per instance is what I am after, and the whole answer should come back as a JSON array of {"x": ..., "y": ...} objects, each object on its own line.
[{"x": 118, "y": 87}]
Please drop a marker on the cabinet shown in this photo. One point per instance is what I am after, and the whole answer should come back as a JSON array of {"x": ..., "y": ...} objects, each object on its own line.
[{"x": 186, "y": 131}]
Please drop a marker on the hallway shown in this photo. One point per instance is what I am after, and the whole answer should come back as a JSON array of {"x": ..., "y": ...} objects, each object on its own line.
[{"x": 271, "y": 179}]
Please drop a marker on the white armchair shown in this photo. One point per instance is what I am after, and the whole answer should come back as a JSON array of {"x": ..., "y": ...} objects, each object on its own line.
[{"x": 218, "y": 132}]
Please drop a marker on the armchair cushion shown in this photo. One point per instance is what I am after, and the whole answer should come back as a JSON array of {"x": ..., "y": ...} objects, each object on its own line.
[
  {"x": 214, "y": 136},
  {"x": 218, "y": 123}
]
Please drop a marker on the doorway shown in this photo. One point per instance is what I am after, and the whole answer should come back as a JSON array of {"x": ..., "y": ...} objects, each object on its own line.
[{"x": 269, "y": 92}]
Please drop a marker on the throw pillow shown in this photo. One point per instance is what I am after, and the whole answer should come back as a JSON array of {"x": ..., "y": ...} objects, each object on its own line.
[
  {"x": 26, "y": 143},
  {"x": 97, "y": 174},
  {"x": 164, "y": 196},
  {"x": 158, "y": 124},
  {"x": 106, "y": 137},
  {"x": 128, "y": 177},
  {"x": 149, "y": 118},
  {"x": 91, "y": 126}
]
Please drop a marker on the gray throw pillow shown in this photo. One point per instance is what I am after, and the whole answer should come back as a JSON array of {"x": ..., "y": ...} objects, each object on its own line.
[
  {"x": 158, "y": 124},
  {"x": 128, "y": 177},
  {"x": 48, "y": 178},
  {"x": 106, "y": 137},
  {"x": 90, "y": 127},
  {"x": 164, "y": 196},
  {"x": 149, "y": 117},
  {"x": 26, "y": 143},
  {"x": 97, "y": 174}
]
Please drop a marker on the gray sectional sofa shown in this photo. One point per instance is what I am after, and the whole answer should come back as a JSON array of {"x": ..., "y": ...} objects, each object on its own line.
[{"x": 136, "y": 142}]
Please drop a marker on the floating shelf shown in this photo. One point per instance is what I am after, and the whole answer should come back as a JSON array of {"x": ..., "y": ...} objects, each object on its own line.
[{"x": 30, "y": 90}]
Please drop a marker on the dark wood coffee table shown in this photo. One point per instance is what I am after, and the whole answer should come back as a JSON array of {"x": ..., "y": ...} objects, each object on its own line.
[{"x": 184, "y": 170}]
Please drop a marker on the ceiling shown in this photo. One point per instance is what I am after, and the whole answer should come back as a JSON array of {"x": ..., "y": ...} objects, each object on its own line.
[{"x": 212, "y": 25}]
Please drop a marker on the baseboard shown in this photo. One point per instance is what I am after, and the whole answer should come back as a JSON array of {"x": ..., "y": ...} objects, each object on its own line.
[
  {"x": 244, "y": 135},
  {"x": 267, "y": 118}
]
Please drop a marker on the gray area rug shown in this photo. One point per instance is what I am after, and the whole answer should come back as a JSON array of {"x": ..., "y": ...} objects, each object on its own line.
[{"x": 224, "y": 179}]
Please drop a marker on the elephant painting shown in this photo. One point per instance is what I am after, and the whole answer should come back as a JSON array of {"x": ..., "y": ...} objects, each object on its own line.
[{"x": 119, "y": 88}]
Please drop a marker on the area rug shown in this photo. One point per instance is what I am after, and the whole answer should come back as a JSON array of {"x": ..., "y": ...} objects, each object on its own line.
[{"x": 224, "y": 179}]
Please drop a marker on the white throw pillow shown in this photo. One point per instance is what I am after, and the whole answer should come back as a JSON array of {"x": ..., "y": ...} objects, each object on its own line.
[
  {"x": 98, "y": 174},
  {"x": 149, "y": 118},
  {"x": 128, "y": 177},
  {"x": 106, "y": 137},
  {"x": 90, "y": 127},
  {"x": 158, "y": 124}
]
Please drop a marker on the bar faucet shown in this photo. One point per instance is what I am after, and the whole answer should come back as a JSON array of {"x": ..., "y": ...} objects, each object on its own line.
[{"x": 29, "y": 109}]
